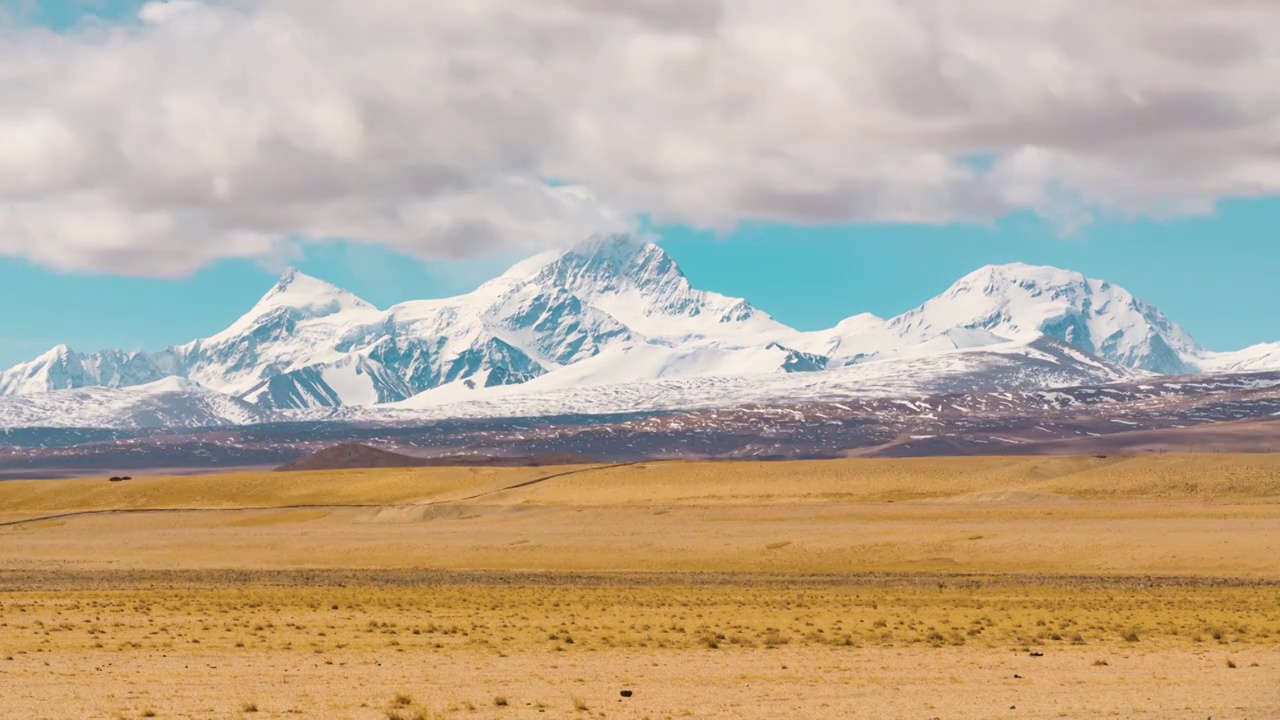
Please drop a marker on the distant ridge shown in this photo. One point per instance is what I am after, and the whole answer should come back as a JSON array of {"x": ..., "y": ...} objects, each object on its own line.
[{"x": 354, "y": 456}]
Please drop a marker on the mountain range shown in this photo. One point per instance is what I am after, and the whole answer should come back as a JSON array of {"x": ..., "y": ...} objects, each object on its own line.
[{"x": 610, "y": 325}]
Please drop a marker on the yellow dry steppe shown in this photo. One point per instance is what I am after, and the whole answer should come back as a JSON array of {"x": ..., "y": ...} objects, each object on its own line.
[
  {"x": 1179, "y": 477},
  {"x": 656, "y": 614},
  {"x": 1213, "y": 515},
  {"x": 1158, "y": 477},
  {"x": 1015, "y": 587},
  {"x": 262, "y": 489}
]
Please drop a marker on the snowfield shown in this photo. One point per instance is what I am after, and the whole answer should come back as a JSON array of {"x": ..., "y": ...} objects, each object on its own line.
[{"x": 167, "y": 403}]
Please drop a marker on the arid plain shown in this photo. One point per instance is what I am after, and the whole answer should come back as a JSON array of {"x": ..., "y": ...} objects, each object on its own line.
[{"x": 930, "y": 588}]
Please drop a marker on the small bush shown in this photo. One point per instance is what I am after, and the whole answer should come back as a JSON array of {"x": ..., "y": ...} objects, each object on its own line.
[{"x": 500, "y": 701}]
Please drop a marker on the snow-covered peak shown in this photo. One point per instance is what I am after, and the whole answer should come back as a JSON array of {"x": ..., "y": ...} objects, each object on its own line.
[
  {"x": 1014, "y": 281},
  {"x": 859, "y": 323},
  {"x": 1251, "y": 359},
  {"x": 58, "y": 355},
  {"x": 1023, "y": 271},
  {"x": 57, "y": 352},
  {"x": 638, "y": 283},
  {"x": 1020, "y": 301},
  {"x": 610, "y": 264},
  {"x": 309, "y": 295},
  {"x": 296, "y": 297},
  {"x": 62, "y": 368},
  {"x": 852, "y": 339},
  {"x": 55, "y": 369}
]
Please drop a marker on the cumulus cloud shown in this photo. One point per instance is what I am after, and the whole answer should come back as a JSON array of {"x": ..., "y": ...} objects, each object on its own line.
[{"x": 205, "y": 130}]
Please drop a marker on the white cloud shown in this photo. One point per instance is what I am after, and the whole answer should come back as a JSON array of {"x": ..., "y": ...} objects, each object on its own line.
[{"x": 209, "y": 130}]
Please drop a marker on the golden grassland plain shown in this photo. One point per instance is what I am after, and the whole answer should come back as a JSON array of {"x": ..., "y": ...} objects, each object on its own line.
[{"x": 933, "y": 588}]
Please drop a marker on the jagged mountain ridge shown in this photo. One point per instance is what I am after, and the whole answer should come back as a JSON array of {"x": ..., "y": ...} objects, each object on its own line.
[
  {"x": 618, "y": 311},
  {"x": 1043, "y": 363},
  {"x": 309, "y": 344}
]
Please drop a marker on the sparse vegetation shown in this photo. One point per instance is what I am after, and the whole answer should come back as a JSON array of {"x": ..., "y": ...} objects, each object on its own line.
[
  {"x": 652, "y": 614},
  {"x": 947, "y": 597}
]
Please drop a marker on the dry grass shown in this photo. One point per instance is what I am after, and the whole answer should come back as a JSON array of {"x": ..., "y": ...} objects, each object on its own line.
[
  {"x": 1164, "y": 477},
  {"x": 1025, "y": 584},
  {"x": 569, "y": 648},
  {"x": 266, "y": 489},
  {"x": 987, "y": 515},
  {"x": 659, "y": 615},
  {"x": 1079, "y": 538},
  {"x": 1160, "y": 477}
]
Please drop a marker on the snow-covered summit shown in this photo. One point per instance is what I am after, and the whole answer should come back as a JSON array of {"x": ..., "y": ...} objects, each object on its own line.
[
  {"x": 62, "y": 368},
  {"x": 1021, "y": 302},
  {"x": 1251, "y": 359},
  {"x": 299, "y": 297},
  {"x": 616, "y": 264},
  {"x": 639, "y": 284},
  {"x": 310, "y": 295}
]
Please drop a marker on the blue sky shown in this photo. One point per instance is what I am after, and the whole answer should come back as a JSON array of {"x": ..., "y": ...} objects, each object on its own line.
[
  {"x": 1214, "y": 274},
  {"x": 62, "y": 14}
]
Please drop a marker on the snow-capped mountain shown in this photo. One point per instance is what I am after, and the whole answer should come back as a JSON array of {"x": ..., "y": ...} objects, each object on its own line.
[
  {"x": 309, "y": 344},
  {"x": 999, "y": 303},
  {"x": 1251, "y": 359},
  {"x": 592, "y": 387},
  {"x": 64, "y": 369},
  {"x": 640, "y": 285},
  {"x": 615, "y": 317},
  {"x": 1021, "y": 302}
]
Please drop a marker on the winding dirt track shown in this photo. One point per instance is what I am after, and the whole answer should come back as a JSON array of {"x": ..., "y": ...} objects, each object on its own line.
[{"x": 323, "y": 506}]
